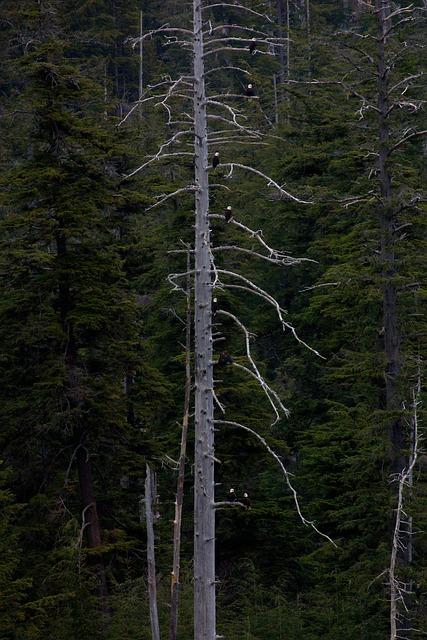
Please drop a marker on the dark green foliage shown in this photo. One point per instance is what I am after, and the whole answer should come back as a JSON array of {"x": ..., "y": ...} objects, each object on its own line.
[{"x": 91, "y": 341}]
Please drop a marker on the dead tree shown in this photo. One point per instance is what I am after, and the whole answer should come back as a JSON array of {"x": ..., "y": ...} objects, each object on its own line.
[
  {"x": 206, "y": 120},
  {"x": 401, "y": 590},
  {"x": 179, "y": 499},
  {"x": 150, "y": 499},
  {"x": 388, "y": 102}
]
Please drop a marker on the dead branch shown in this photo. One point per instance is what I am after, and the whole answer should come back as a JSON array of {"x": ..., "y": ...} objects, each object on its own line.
[
  {"x": 307, "y": 523},
  {"x": 270, "y": 181},
  {"x": 286, "y": 260},
  {"x": 164, "y": 197},
  {"x": 238, "y": 6},
  {"x": 263, "y": 294}
]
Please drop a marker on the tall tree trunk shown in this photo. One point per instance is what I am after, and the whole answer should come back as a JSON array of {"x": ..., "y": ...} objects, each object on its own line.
[
  {"x": 175, "y": 584},
  {"x": 392, "y": 355},
  {"x": 150, "y": 496},
  {"x": 204, "y": 511},
  {"x": 387, "y": 216}
]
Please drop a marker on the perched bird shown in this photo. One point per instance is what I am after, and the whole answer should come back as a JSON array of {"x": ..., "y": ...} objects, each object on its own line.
[
  {"x": 215, "y": 307},
  {"x": 232, "y": 495},
  {"x": 215, "y": 159},
  {"x": 228, "y": 214},
  {"x": 246, "y": 501},
  {"x": 250, "y": 91},
  {"x": 252, "y": 46},
  {"x": 224, "y": 359}
]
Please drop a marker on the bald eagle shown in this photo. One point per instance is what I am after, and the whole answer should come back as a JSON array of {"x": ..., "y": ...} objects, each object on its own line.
[
  {"x": 228, "y": 214},
  {"x": 215, "y": 159},
  {"x": 250, "y": 91},
  {"x": 252, "y": 46},
  {"x": 232, "y": 495},
  {"x": 246, "y": 501}
]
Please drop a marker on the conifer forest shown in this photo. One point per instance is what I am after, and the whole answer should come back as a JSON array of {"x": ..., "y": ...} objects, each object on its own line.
[{"x": 213, "y": 320}]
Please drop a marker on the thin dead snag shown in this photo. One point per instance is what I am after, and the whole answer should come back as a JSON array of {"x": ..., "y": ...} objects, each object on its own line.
[
  {"x": 150, "y": 498},
  {"x": 177, "y": 523},
  {"x": 401, "y": 543}
]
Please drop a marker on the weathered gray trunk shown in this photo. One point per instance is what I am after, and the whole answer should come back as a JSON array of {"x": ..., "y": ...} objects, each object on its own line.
[
  {"x": 204, "y": 512},
  {"x": 175, "y": 584},
  {"x": 150, "y": 494}
]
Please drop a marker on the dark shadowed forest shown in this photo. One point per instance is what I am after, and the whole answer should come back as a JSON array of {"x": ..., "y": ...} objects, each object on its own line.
[{"x": 213, "y": 320}]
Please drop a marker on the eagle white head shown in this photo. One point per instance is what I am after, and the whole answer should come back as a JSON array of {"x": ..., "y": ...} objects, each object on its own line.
[
  {"x": 231, "y": 491},
  {"x": 245, "y": 495},
  {"x": 229, "y": 208},
  {"x": 249, "y": 86},
  {"x": 216, "y": 154}
]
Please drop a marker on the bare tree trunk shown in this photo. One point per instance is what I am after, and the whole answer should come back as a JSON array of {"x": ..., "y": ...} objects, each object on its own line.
[
  {"x": 401, "y": 536},
  {"x": 204, "y": 511},
  {"x": 150, "y": 493},
  {"x": 181, "y": 470}
]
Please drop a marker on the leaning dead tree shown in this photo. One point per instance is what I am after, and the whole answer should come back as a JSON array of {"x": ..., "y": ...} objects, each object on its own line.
[
  {"x": 179, "y": 499},
  {"x": 402, "y": 589},
  {"x": 199, "y": 117},
  {"x": 150, "y": 500}
]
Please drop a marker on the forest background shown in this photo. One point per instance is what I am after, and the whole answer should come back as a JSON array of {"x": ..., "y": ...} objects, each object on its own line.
[{"x": 91, "y": 336}]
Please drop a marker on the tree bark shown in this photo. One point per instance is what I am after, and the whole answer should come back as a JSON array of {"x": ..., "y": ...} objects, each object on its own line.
[
  {"x": 175, "y": 584},
  {"x": 392, "y": 355},
  {"x": 204, "y": 512},
  {"x": 150, "y": 493},
  {"x": 387, "y": 216}
]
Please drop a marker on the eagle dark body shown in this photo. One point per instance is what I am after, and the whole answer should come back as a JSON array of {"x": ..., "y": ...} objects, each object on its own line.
[{"x": 228, "y": 214}]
